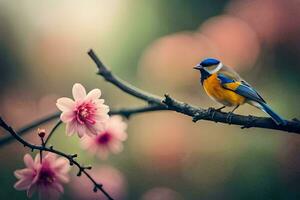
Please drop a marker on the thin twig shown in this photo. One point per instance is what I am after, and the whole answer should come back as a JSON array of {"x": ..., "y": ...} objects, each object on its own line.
[
  {"x": 133, "y": 111},
  {"x": 195, "y": 112},
  {"x": 29, "y": 127},
  {"x": 52, "y": 131},
  {"x": 71, "y": 159}
]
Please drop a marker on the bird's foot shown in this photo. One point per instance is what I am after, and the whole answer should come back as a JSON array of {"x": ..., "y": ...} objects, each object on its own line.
[
  {"x": 211, "y": 112},
  {"x": 220, "y": 109},
  {"x": 229, "y": 115},
  {"x": 210, "y": 109},
  {"x": 229, "y": 118}
]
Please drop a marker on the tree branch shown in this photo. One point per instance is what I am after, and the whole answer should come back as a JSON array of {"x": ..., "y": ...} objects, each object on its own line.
[
  {"x": 71, "y": 159},
  {"x": 217, "y": 116},
  {"x": 124, "y": 86},
  {"x": 196, "y": 113}
]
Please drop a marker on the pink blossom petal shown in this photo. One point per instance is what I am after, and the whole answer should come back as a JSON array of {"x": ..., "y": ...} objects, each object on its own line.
[
  {"x": 24, "y": 172},
  {"x": 63, "y": 178},
  {"x": 102, "y": 153},
  {"x": 93, "y": 94},
  {"x": 22, "y": 184},
  {"x": 81, "y": 130},
  {"x": 100, "y": 126},
  {"x": 98, "y": 102},
  {"x": 65, "y": 104},
  {"x": 78, "y": 91},
  {"x": 71, "y": 128},
  {"x": 50, "y": 158},
  {"x": 101, "y": 117},
  {"x": 91, "y": 132},
  {"x": 58, "y": 187},
  {"x": 28, "y": 161},
  {"x": 116, "y": 147},
  {"x": 61, "y": 165},
  {"x": 90, "y": 144},
  {"x": 37, "y": 160},
  {"x": 123, "y": 136},
  {"x": 104, "y": 108},
  {"x": 67, "y": 116}
]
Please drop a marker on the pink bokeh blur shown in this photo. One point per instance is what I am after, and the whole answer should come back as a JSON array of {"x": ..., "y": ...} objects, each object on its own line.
[
  {"x": 161, "y": 193},
  {"x": 113, "y": 180}
]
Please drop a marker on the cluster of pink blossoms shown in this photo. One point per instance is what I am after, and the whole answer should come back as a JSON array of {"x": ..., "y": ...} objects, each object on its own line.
[
  {"x": 45, "y": 176},
  {"x": 86, "y": 115}
]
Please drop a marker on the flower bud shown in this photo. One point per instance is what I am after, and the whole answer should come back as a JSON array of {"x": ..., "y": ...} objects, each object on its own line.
[{"x": 41, "y": 133}]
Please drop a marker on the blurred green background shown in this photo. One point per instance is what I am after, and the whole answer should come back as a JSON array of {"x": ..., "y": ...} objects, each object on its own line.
[{"x": 154, "y": 45}]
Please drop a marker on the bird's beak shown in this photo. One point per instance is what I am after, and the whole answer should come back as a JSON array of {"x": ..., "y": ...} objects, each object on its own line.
[{"x": 197, "y": 67}]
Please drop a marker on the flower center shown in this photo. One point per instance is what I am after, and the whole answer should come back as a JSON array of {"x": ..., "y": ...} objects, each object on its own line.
[
  {"x": 84, "y": 113},
  {"x": 46, "y": 176},
  {"x": 104, "y": 138}
]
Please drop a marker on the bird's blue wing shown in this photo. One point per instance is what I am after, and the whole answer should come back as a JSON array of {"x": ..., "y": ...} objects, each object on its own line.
[
  {"x": 249, "y": 93},
  {"x": 240, "y": 88}
]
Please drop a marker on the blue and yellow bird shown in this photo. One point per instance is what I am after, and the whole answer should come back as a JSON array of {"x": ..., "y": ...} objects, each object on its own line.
[{"x": 225, "y": 86}]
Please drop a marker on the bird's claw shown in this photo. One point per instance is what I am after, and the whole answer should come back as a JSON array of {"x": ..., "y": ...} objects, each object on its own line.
[
  {"x": 211, "y": 111},
  {"x": 229, "y": 118},
  {"x": 220, "y": 109}
]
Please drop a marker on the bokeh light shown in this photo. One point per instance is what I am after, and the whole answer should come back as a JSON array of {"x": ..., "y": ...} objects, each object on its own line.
[
  {"x": 237, "y": 44},
  {"x": 163, "y": 144},
  {"x": 161, "y": 193},
  {"x": 171, "y": 58},
  {"x": 113, "y": 180},
  {"x": 273, "y": 20}
]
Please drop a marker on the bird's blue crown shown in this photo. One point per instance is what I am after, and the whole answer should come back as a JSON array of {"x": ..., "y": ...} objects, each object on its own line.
[{"x": 209, "y": 62}]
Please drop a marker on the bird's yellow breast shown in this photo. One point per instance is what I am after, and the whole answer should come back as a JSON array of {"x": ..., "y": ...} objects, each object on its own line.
[{"x": 214, "y": 89}]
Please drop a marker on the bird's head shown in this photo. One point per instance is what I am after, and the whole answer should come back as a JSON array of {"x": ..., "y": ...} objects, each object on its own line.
[{"x": 209, "y": 65}]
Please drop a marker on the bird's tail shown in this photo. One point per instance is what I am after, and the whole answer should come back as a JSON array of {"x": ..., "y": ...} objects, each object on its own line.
[{"x": 277, "y": 119}]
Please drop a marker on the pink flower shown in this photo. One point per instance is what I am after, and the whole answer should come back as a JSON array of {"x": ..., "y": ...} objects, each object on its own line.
[
  {"x": 110, "y": 139},
  {"x": 45, "y": 177},
  {"x": 86, "y": 115}
]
